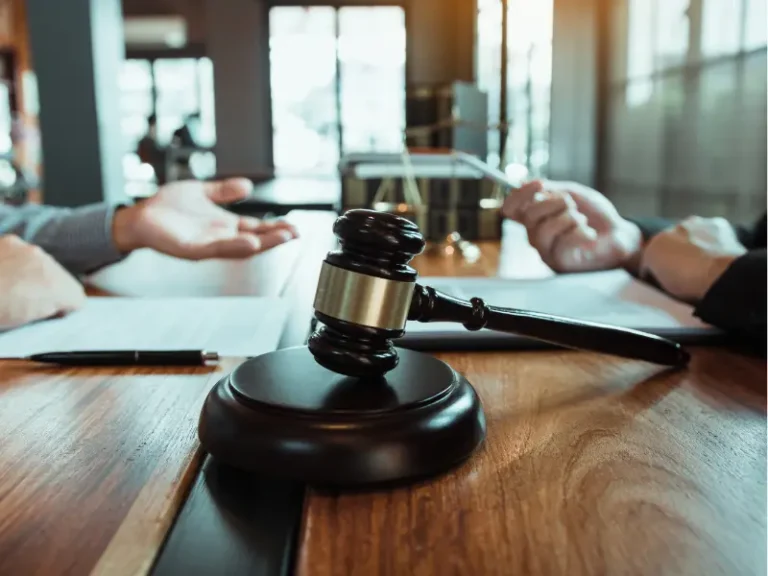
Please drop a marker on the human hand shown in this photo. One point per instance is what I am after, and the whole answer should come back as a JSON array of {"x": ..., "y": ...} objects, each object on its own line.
[
  {"x": 33, "y": 285},
  {"x": 573, "y": 227},
  {"x": 687, "y": 260},
  {"x": 182, "y": 219}
]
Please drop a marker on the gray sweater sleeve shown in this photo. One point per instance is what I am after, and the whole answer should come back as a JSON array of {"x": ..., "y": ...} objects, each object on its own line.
[{"x": 80, "y": 239}]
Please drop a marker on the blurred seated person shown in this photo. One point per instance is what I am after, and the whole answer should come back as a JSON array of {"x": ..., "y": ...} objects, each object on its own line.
[
  {"x": 184, "y": 142},
  {"x": 42, "y": 247},
  {"x": 718, "y": 268},
  {"x": 184, "y": 137},
  {"x": 151, "y": 152}
]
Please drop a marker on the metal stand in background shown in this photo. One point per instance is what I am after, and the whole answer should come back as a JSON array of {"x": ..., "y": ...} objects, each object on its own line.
[{"x": 452, "y": 244}]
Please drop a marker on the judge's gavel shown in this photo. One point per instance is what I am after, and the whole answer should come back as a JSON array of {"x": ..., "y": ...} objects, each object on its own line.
[
  {"x": 367, "y": 292},
  {"x": 350, "y": 411}
]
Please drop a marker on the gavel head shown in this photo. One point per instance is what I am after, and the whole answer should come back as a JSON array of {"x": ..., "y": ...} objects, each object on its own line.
[{"x": 364, "y": 293}]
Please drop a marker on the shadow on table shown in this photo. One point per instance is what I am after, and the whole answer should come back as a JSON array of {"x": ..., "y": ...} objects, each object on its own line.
[
  {"x": 234, "y": 522},
  {"x": 735, "y": 383}
]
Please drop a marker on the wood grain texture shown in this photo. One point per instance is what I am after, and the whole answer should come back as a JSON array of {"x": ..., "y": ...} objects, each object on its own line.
[
  {"x": 592, "y": 465},
  {"x": 94, "y": 464},
  {"x": 513, "y": 257},
  {"x": 238, "y": 523}
]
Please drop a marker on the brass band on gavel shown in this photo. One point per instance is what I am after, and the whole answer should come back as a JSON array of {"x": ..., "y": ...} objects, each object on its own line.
[{"x": 363, "y": 299}]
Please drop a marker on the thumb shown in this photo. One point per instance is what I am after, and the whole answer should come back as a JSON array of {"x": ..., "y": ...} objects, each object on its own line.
[{"x": 228, "y": 191}]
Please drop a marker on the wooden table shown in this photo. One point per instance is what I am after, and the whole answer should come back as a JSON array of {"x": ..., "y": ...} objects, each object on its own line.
[{"x": 592, "y": 465}]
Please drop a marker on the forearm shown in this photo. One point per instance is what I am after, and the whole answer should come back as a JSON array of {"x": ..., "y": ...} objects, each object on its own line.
[{"x": 80, "y": 239}]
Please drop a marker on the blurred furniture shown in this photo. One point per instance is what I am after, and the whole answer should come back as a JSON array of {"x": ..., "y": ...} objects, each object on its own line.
[
  {"x": 279, "y": 196},
  {"x": 592, "y": 465},
  {"x": 15, "y": 186},
  {"x": 443, "y": 193},
  {"x": 453, "y": 116}
]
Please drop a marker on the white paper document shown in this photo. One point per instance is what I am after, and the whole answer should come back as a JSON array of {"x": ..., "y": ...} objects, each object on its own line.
[
  {"x": 613, "y": 297},
  {"x": 232, "y": 326}
]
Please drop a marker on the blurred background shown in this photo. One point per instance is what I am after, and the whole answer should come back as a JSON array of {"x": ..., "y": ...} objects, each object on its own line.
[{"x": 660, "y": 104}]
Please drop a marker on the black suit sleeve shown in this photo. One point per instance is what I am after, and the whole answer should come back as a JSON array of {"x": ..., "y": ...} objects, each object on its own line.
[{"x": 736, "y": 302}]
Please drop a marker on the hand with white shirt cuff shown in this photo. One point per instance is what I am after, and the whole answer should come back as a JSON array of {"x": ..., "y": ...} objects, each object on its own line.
[
  {"x": 687, "y": 259},
  {"x": 573, "y": 227}
]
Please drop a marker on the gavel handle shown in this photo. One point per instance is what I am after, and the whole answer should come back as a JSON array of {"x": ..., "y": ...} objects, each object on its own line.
[{"x": 429, "y": 305}]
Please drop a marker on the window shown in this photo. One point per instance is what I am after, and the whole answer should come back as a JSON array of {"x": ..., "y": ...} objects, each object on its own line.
[
  {"x": 305, "y": 121},
  {"x": 529, "y": 82},
  {"x": 672, "y": 33},
  {"x": 755, "y": 29},
  {"x": 686, "y": 108},
  {"x": 178, "y": 91},
  {"x": 136, "y": 100},
  {"x": 170, "y": 88},
  {"x": 338, "y": 84},
  {"x": 372, "y": 79},
  {"x": 721, "y": 27}
]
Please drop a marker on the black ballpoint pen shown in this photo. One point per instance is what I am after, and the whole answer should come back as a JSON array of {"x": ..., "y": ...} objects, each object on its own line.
[{"x": 126, "y": 358}]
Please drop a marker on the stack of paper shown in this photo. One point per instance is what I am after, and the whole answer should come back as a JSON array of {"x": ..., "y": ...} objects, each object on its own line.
[
  {"x": 612, "y": 297},
  {"x": 235, "y": 326}
]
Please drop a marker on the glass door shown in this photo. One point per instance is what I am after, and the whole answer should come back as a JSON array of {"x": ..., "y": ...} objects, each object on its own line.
[
  {"x": 338, "y": 84},
  {"x": 528, "y": 62},
  {"x": 174, "y": 90},
  {"x": 372, "y": 78},
  {"x": 302, "y": 51}
]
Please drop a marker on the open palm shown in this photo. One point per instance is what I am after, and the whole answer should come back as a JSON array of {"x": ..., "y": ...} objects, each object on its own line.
[{"x": 184, "y": 219}]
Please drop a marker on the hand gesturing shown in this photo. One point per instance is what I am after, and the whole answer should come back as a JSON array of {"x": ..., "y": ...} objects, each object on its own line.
[{"x": 183, "y": 219}]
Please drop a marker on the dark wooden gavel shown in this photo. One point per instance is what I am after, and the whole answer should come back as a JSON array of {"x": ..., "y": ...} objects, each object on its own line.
[{"x": 367, "y": 292}]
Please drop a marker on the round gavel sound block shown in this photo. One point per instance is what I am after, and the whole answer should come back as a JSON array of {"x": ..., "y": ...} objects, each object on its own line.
[
  {"x": 283, "y": 414},
  {"x": 349, "y": 410}
]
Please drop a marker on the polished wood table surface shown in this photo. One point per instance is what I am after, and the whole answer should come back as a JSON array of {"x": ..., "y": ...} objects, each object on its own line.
[{"x": 592, "y": 465}]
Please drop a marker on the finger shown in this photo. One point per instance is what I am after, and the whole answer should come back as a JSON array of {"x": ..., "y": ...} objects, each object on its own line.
[
  {"x": 543, "y": 207},
  {"x": 574, "y": 250},
  {"x": 516, "y": 203},
  {"x": 243, "y": 245},
  {"x": 248, "y": 224},
  {"x": 544, "y": 237},
  {"x": 65, "y": 291},
  {"x": 228, "y": 191},
  {"x": 273, "y": 238},
  {"x": 70, "y": 306},
  {"x": 73, "y": 299}
]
